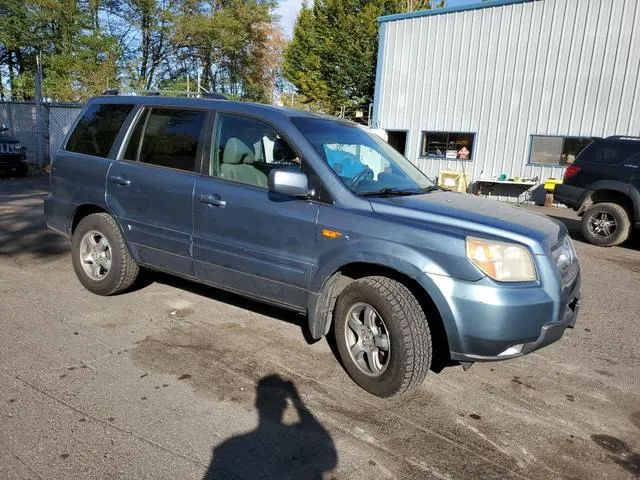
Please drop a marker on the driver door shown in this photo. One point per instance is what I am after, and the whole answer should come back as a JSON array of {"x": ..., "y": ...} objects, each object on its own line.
[{"x": 246, "y": 239}]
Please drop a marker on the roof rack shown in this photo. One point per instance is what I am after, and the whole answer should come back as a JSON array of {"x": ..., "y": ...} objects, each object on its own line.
[
  {"x": 623, "y": 137},
  {"x": 158, "y": 93}
]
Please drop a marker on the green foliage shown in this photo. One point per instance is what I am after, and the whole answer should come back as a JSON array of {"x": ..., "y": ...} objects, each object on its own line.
[
  {"x": 332, "y": 57},
  {"x": 86, "y": 46},
  {"x": 237, "y": 45},
  {"x": 77, "y": 59}
]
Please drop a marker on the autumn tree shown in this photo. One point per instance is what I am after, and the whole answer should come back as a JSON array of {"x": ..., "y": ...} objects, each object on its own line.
[{"x": 235, "y": 44}]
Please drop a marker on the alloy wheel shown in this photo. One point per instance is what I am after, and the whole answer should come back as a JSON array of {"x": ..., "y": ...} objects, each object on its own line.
[
  {"x": 367, "y": 339},
  {"x": 95, "y": 255},
  {"x": 602, "y": 224}
]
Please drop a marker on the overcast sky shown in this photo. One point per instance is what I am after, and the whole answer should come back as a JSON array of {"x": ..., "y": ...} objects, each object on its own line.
[{"x": 288, "y": 11}]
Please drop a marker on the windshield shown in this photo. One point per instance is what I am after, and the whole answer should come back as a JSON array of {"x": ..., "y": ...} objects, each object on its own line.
[{"x": 365, "y": 163}]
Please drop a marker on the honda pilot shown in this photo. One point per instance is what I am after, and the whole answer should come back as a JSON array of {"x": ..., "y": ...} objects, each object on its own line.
[{"x": 316, "y": 215}]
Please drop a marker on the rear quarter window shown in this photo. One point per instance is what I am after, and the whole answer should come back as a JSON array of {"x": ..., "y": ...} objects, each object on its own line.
[
  {"x": 97, "y": 129},
  {"x": 613, "y": 153}
]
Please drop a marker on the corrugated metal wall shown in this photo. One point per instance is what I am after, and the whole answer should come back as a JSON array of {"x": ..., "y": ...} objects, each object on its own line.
[{"x": 545, "y": 67}]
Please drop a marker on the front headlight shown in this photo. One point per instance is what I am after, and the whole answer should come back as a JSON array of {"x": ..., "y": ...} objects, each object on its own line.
[
  {"x": 17, "y": 146},
  {"x": 504, "y": 262}
]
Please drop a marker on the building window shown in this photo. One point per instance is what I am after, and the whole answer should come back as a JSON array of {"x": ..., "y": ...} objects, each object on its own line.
[
  {"x": 560, "y": 151},
  {"x": 452, "y": 145}
]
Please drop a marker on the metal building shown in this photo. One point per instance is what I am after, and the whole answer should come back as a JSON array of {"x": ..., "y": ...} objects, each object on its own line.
[{"x": 511, "y": 88}]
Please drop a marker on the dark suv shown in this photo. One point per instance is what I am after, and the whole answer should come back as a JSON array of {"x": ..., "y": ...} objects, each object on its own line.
[
  {"x": 258, "y": 200},
  {"x": 13, "y": 157},
  {"x": 603, "y": 185}
]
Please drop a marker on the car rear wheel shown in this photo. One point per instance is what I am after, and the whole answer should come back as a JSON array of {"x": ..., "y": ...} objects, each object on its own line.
[
  {"x": 382, "y": 336},
  {"x": 606, "y": 224},
  {"x": 100, "y": 257}
]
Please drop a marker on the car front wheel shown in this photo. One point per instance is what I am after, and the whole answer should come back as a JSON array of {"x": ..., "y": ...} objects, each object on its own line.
[
  {"x": 606, "y": 224},
  {"x": 100, "y": 257},
  {"x": 382, "y": 336}
]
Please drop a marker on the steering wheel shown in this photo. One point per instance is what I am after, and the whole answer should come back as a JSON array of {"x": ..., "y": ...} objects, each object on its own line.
[{"x": 367, "y": 173}]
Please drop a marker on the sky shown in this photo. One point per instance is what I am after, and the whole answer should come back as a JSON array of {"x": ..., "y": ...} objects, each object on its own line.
[{"x": 288, "y": 11}]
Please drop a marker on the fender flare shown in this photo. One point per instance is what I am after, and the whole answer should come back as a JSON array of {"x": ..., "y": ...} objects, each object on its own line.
[
  {"x": 625, "y": 189},
  {"x": 326, "y": 282}
]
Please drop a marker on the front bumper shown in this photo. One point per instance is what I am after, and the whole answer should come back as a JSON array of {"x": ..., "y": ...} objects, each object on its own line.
[
  {"x": 12, "y": 162},
  {"x": 549, "y": 333},
  {"x": 485, "y": 321}
]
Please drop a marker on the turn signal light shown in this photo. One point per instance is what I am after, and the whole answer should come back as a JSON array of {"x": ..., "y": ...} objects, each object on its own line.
[{"x": 330, "y": 233}]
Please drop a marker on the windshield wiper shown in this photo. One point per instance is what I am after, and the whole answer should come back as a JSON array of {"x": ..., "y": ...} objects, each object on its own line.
[
  {"x": 431, "y": 188},
  {"x": 387, "y": 191}
]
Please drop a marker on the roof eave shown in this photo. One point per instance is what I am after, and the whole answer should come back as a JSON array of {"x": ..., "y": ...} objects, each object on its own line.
[{"x": 445, "y": 10}]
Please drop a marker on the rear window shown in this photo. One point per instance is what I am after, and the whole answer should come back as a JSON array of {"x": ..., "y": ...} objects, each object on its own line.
[
  {"x": 612, "y": 153},
  {"x": 97, "y": 129}
]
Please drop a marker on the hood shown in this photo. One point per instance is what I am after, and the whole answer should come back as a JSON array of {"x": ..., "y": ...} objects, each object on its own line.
[{"x": 473, "y": 214}]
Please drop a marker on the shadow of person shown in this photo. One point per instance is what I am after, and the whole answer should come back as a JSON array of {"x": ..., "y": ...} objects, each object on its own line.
[{"x": 275, "y": 450}]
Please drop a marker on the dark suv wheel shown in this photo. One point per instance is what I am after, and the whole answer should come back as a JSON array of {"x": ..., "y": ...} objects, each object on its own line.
[
  {"x": 100, "y": 257},
  {"x": 606, "y": 224},
  {"x": 382, "y": 336}
]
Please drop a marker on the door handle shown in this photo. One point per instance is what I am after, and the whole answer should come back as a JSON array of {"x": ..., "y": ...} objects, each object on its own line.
[
  {"x": 120, "y": 181},
  {"x": 212, "y": 200}
]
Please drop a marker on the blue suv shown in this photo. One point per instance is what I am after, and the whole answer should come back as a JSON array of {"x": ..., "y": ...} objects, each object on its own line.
[{"x": 315, "y": 215}]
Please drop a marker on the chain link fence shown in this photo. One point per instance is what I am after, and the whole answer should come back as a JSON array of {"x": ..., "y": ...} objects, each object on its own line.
[{"x": 22, "y": 120}]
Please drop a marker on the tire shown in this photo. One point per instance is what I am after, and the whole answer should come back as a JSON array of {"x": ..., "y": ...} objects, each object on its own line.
[
  {"x": 406, "y": 362},
  {"x": 122, "y": 271},
  {"x": 606, "y": 234},
  {"x": 22, "y": 171}
]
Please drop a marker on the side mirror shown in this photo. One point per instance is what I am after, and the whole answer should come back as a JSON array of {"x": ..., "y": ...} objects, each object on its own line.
[
  {"x": 288, "y": 182},
  {"x": 3, "y": 127}
]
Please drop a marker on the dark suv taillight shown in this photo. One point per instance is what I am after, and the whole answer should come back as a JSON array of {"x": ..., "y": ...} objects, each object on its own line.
[{"x": 571, "y": 171}]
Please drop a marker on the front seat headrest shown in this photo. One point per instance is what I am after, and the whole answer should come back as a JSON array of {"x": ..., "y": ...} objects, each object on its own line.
[{"x": 236, "y": 152}]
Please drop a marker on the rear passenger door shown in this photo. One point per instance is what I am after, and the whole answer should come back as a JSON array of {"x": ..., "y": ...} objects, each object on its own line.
[{"x": 150, "y": 187}]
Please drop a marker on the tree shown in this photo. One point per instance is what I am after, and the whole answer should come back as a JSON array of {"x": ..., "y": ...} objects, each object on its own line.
[
  {"x": 86, "y": 46},
  {"x": 235, "y": 44},
  {"x": 332, "y": 57},
  {"x": 78, "y": 58}
]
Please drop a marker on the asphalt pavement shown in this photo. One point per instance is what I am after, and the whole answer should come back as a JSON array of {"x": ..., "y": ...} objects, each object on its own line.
[{"x": 178, "y": 381}]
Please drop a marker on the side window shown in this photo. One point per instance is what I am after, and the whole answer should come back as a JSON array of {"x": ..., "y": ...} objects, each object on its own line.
[
  {"x": 245, "y": 150},
  {"x": 170, "y": 138},
  {"x": 133, "y": 145},
  {"x": 610, "y": 155},
  {"x": 97, "y": 129}
]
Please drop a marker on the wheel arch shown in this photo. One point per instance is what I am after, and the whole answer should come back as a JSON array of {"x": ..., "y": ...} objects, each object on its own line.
[
  {"x": 82, "y": 211},
  {"x": 85, "y": 209},
  {"x": 320, "y": 311},
  {"x": 613, "y": 194}
]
